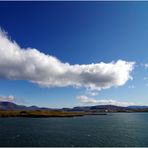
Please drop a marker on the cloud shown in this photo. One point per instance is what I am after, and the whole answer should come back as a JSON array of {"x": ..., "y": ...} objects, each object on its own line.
[
  {"x": 91, "y": 92},
  {"x": 145, "y": 78},
  {"x": 87, "y": 100},
  {"x": 7, "y": 98},
  {"x": 131, "y": 86},
  {"x": 146, "y": 65},
  {"x": 30, "y": 64}
]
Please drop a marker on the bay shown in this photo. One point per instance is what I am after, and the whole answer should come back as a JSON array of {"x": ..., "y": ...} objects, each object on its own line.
[{"x": 114, "y": 129}]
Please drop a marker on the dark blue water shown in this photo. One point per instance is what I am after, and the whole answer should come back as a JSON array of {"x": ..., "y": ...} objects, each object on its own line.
[{"x": 118, "y": 129}]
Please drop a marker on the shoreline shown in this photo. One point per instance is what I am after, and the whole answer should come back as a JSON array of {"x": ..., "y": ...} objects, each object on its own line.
[
  {"x": 45, "y": 114},
  {"x": 52, "y": 114}
]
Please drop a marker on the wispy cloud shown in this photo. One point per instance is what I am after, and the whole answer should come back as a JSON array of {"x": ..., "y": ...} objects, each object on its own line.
[
  {"x": 7, "y": 98},
  {"x": 91, "y": 92},
  {"x": 131, "y": 86},
  {"x": 145, "y": 78},
  {"x": 87, "y": 100},
  {"x": 30, "y": 64},
  {"x": 146, "y": 65}
]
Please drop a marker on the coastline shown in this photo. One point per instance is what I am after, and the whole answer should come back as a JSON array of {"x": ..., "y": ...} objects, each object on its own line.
[
  {"x": 45, "y": 113},
  {"x": 53, "y": 113}
]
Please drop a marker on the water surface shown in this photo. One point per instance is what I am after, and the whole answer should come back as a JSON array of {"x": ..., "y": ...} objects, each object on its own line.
[{"x": 116, "y": 129}]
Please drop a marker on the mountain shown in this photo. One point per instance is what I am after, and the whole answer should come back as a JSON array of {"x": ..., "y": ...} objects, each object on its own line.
[
  {"x": 138, "y": 107},
  {"x": 108, "y": 108},
  {"x": 97, "y": 108},
  {"x": 13, "y": 106}
]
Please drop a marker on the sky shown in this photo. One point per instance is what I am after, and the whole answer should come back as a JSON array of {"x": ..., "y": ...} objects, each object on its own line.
[{"x": 65, "y": 54}]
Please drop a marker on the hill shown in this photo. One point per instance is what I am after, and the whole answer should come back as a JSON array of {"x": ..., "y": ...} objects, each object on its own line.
[
  {"x": 9, "y": 106},
  {"x": 13, "y": 106}
]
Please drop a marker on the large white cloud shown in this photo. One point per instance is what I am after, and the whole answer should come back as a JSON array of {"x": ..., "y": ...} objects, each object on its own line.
[
  {"x": 30, "y": 64},
  {"x": 87, "y": 100}
]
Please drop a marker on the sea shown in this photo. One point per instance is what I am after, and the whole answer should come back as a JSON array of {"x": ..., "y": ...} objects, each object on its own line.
[{"x": 111, "y": 130}]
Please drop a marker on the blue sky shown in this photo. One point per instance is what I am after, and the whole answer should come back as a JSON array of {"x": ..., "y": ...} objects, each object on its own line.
[{"x": 79, "y": 33}]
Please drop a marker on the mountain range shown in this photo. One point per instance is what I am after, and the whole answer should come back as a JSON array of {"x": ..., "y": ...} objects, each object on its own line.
[{"x": 97, "y": 108}]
